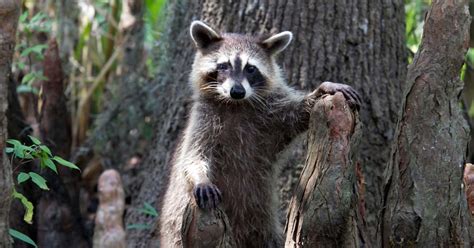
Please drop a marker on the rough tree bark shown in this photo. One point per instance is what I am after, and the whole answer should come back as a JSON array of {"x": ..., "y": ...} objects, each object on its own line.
[
  {"x": 57, "y": 214},
  {"x": 323, "y": 209},
  {"x": 356, "y": 42},
  {"x": 425, "y": 204},
  {"x": 9, "y": 12},
  {"x": 67, "y": 12}
]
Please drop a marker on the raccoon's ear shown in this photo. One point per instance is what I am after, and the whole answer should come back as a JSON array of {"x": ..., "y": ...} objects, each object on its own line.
[
  {"x": 278, "y": 42},
  {"x": 203, "y": 35}
]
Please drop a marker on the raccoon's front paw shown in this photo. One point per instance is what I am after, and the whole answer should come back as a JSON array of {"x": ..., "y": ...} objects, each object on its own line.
[
  {"x": 352, "y": 96},
  {"x": 207, "y": 195}
]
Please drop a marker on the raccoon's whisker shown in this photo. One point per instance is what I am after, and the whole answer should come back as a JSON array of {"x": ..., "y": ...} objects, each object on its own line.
[
  {"x": 263, "y": 90},
  {"x": 209, "y": 87},
  {"x": 213, "y": 83},
  {"x": 260, "y": 100},
  {"x": 253, "y": 101}
]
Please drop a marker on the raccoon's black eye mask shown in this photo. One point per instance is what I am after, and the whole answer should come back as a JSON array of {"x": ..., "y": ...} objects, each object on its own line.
[
  {"x": 250, "y": 69},
  {"x": 250, "y": 72},
  {"x": 254, "y": 76}
]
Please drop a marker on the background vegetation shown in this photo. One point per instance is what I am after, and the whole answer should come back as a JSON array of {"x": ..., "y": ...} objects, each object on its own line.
[{"x": 92, "y": 60}]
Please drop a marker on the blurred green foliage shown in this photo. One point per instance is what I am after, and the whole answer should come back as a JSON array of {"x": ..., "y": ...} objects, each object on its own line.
[
  {"x": 31, "y": 49},
  {"x": 94, "y": 59},
  {"x": 414, "y": 20}
]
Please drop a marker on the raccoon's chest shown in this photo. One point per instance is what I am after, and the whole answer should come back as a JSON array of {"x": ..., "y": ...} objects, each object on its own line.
[
  {"x": 242, "y": 160},
  {"x": 243, "y": 141}
]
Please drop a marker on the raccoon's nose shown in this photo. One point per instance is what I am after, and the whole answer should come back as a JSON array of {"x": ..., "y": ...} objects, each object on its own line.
[{"x": 237, "y": 92}]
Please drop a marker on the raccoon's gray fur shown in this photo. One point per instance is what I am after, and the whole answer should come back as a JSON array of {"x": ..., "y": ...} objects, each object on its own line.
[{"x": 243, "y": 115}]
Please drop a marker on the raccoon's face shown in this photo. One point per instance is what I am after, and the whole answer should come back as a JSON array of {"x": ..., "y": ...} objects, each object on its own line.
[{"x": 234, "y": 67}]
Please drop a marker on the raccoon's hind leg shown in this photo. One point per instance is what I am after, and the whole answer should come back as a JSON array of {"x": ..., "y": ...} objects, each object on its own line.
[{"x": 171, "y": 216}]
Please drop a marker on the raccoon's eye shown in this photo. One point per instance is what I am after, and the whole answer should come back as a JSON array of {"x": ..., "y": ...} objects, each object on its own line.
[
  {"x": 250, "y": 69},
  {"x": 223, "y": 67}
]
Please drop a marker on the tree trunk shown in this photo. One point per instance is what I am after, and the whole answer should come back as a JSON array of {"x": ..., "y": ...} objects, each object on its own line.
[
  {"x": 323, "y": 209},
  {"x": 425, "y": 204},
  {"x": 360, "y": 43},
  {"x": 57, "y": 213},
  {"x": 9, "y": 12},
  {"x": 67, "y": 12}
]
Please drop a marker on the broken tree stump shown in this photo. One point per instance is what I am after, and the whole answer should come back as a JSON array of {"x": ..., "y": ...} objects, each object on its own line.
[
  {"x": 109, "y": 231},
  {"x": 206, "y": 228},
  {"x": 323, "y": 209}
]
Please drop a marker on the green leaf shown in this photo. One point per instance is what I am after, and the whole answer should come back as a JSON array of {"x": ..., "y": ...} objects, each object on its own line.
[
  {"x": 39, "y": 180},
  {"x": 19, "y": 153},
  {"x": 37, "y": 49},
  {"x": 26, "y": 89},
  {"x": 23, "y": 237},
  {"x": 28, "y": 217},
  {"x": 34, "y": 140},
  {"x": 40, "y": 23},
  {"x": 45, "y": 149},
  {"x": 27, "y": 78},
  {"x": 28, "y": 156},
  {"x": 40, "y": 76},
  {"x": 14, "y": 142},
  {"x": 138, "y": 226},
  {"x": 31, "y": 77},
  {"x": 65, "y": 163},
  {"x": 9, "y": 149},
  {"x": 27, "y": 148},
  {"x": 149, "y": 209},
  {"x": 38, "y": 17},
  {"x": 22, "y": 177},
  {"x": 21, "y": 65},
  {"x": 19, "y": 149},
  {"x": 23, "y": 17},
  {"x": 50, "y": 164}
]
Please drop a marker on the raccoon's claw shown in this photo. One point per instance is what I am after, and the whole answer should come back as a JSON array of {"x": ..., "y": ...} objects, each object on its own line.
[
  {"x": 352, "y": 96},
  {"x": 207, "y": 195}
]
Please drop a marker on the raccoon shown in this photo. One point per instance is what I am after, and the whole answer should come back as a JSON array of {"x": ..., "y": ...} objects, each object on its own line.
[{"x": 243, "y": 115}]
